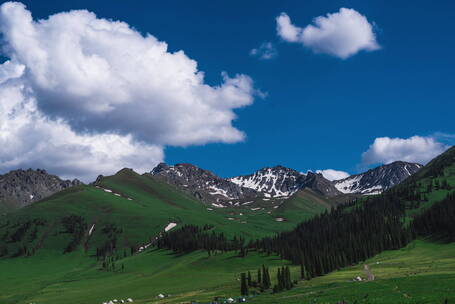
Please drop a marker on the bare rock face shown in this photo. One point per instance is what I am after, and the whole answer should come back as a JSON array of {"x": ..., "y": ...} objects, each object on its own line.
[
  {"x": 20, "y": 188},
  {"x": 379, "y": 179}
]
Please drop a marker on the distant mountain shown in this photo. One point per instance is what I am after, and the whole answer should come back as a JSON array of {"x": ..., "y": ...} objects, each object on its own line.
[
  {"x": 280, "y": 181},
  {"x": 377, "y": 180},
  {"x": 201, "y": 183},
  {"x": 269, "y": 186},
  {"x": 275, "y": 181},
  {"x": 273, "y": 184},
  {"x": 19, "y": 188}
]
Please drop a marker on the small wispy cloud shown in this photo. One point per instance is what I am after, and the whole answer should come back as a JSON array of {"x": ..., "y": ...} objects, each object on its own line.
[{"x": 265, "y": 51}]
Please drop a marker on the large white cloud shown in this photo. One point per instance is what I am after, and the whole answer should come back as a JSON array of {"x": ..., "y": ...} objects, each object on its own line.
[
  {"x": 96, "y": 87},
  {"x": 30, "y": 140},
  {"x": 341, "y": 34},
  {"x": 332, "y": 174},
  {"x": 413, "y": 149}
]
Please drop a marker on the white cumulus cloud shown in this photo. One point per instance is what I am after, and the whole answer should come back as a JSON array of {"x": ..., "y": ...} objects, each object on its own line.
[
  {"x": 332, "y": 175},
  {"x": 31, "y": 140},
  {"x": 341, "y": 34},
  {"x": 265, "y": 51},
  {"x": 417, "y": 149},
  {"x": 81, "y": 94}
]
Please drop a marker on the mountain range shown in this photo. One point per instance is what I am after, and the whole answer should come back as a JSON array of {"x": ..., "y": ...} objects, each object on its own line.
[
  {"x": 278, "y": 183},
  {"x": 20, "y": 188}
]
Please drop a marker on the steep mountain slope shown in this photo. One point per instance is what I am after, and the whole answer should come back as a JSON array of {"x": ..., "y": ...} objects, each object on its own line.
[
  {"x": 318, "y": 183},
  {"x": 22, "y": 187},
  {"x": 377, "y": 180}
]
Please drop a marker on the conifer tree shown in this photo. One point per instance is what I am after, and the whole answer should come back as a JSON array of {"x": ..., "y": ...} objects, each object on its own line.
[
  {"x": 279, "y": 278},
  {"x": 259, "y": 278},
  {"x": 266, "y": 275},
  {"x": 243, "y": 284},
  {"x": 288, "y": 281}
]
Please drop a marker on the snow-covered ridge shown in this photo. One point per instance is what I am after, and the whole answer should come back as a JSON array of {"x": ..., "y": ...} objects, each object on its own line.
[{"x": 272, "y": 182}]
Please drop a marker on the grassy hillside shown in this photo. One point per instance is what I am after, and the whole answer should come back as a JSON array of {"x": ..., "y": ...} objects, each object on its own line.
[
  {"x": 128, "y": 210},
  {"x": 74, "y": 279},
  {"x": 422, "y": 272},
  {"x": 134, "y": 207}
]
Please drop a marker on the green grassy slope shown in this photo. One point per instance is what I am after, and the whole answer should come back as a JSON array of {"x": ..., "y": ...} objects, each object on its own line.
[
  {"x": 423, "y": 272},
  {"x": 303, "y": 205},
  {"x": 74, "y": 279}
]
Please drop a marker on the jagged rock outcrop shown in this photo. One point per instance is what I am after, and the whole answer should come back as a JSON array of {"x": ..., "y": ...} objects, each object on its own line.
[{"x": 20, "y": 188}]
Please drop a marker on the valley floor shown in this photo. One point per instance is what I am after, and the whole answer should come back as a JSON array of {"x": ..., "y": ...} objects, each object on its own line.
[{"x": 423, "y": 272}]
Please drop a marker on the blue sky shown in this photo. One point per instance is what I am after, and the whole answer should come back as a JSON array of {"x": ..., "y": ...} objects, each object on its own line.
[{"x": 320, "y": 111}]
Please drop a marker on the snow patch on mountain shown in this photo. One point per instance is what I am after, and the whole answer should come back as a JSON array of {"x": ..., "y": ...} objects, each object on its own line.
[
  {"x": 377, "y": 180},
  {"x": 273, "y": 182}
]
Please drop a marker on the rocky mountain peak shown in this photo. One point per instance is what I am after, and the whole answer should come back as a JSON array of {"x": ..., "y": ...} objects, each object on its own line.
[
  {"x": 318, "y": 183},
  {"x": 379, "y": 179},
  {"x": 275, "y": 181},
  {"x": 22, "y": 187}
]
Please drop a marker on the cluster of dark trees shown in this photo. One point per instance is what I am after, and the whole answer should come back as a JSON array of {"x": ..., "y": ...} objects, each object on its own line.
[
  {"x": 17, "y": 239},
  {"x": 109, "y": 264},
  {"x": 190, "y": 238},
  {"x": 438, "y": 220},
  {"x": 110, "y": 233},
  {"x": 76, "y": 226},
  {"x": 347, "y": 235},
  {"x": 284, "y": 281},
  {"x": 263, "y": 281}
]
